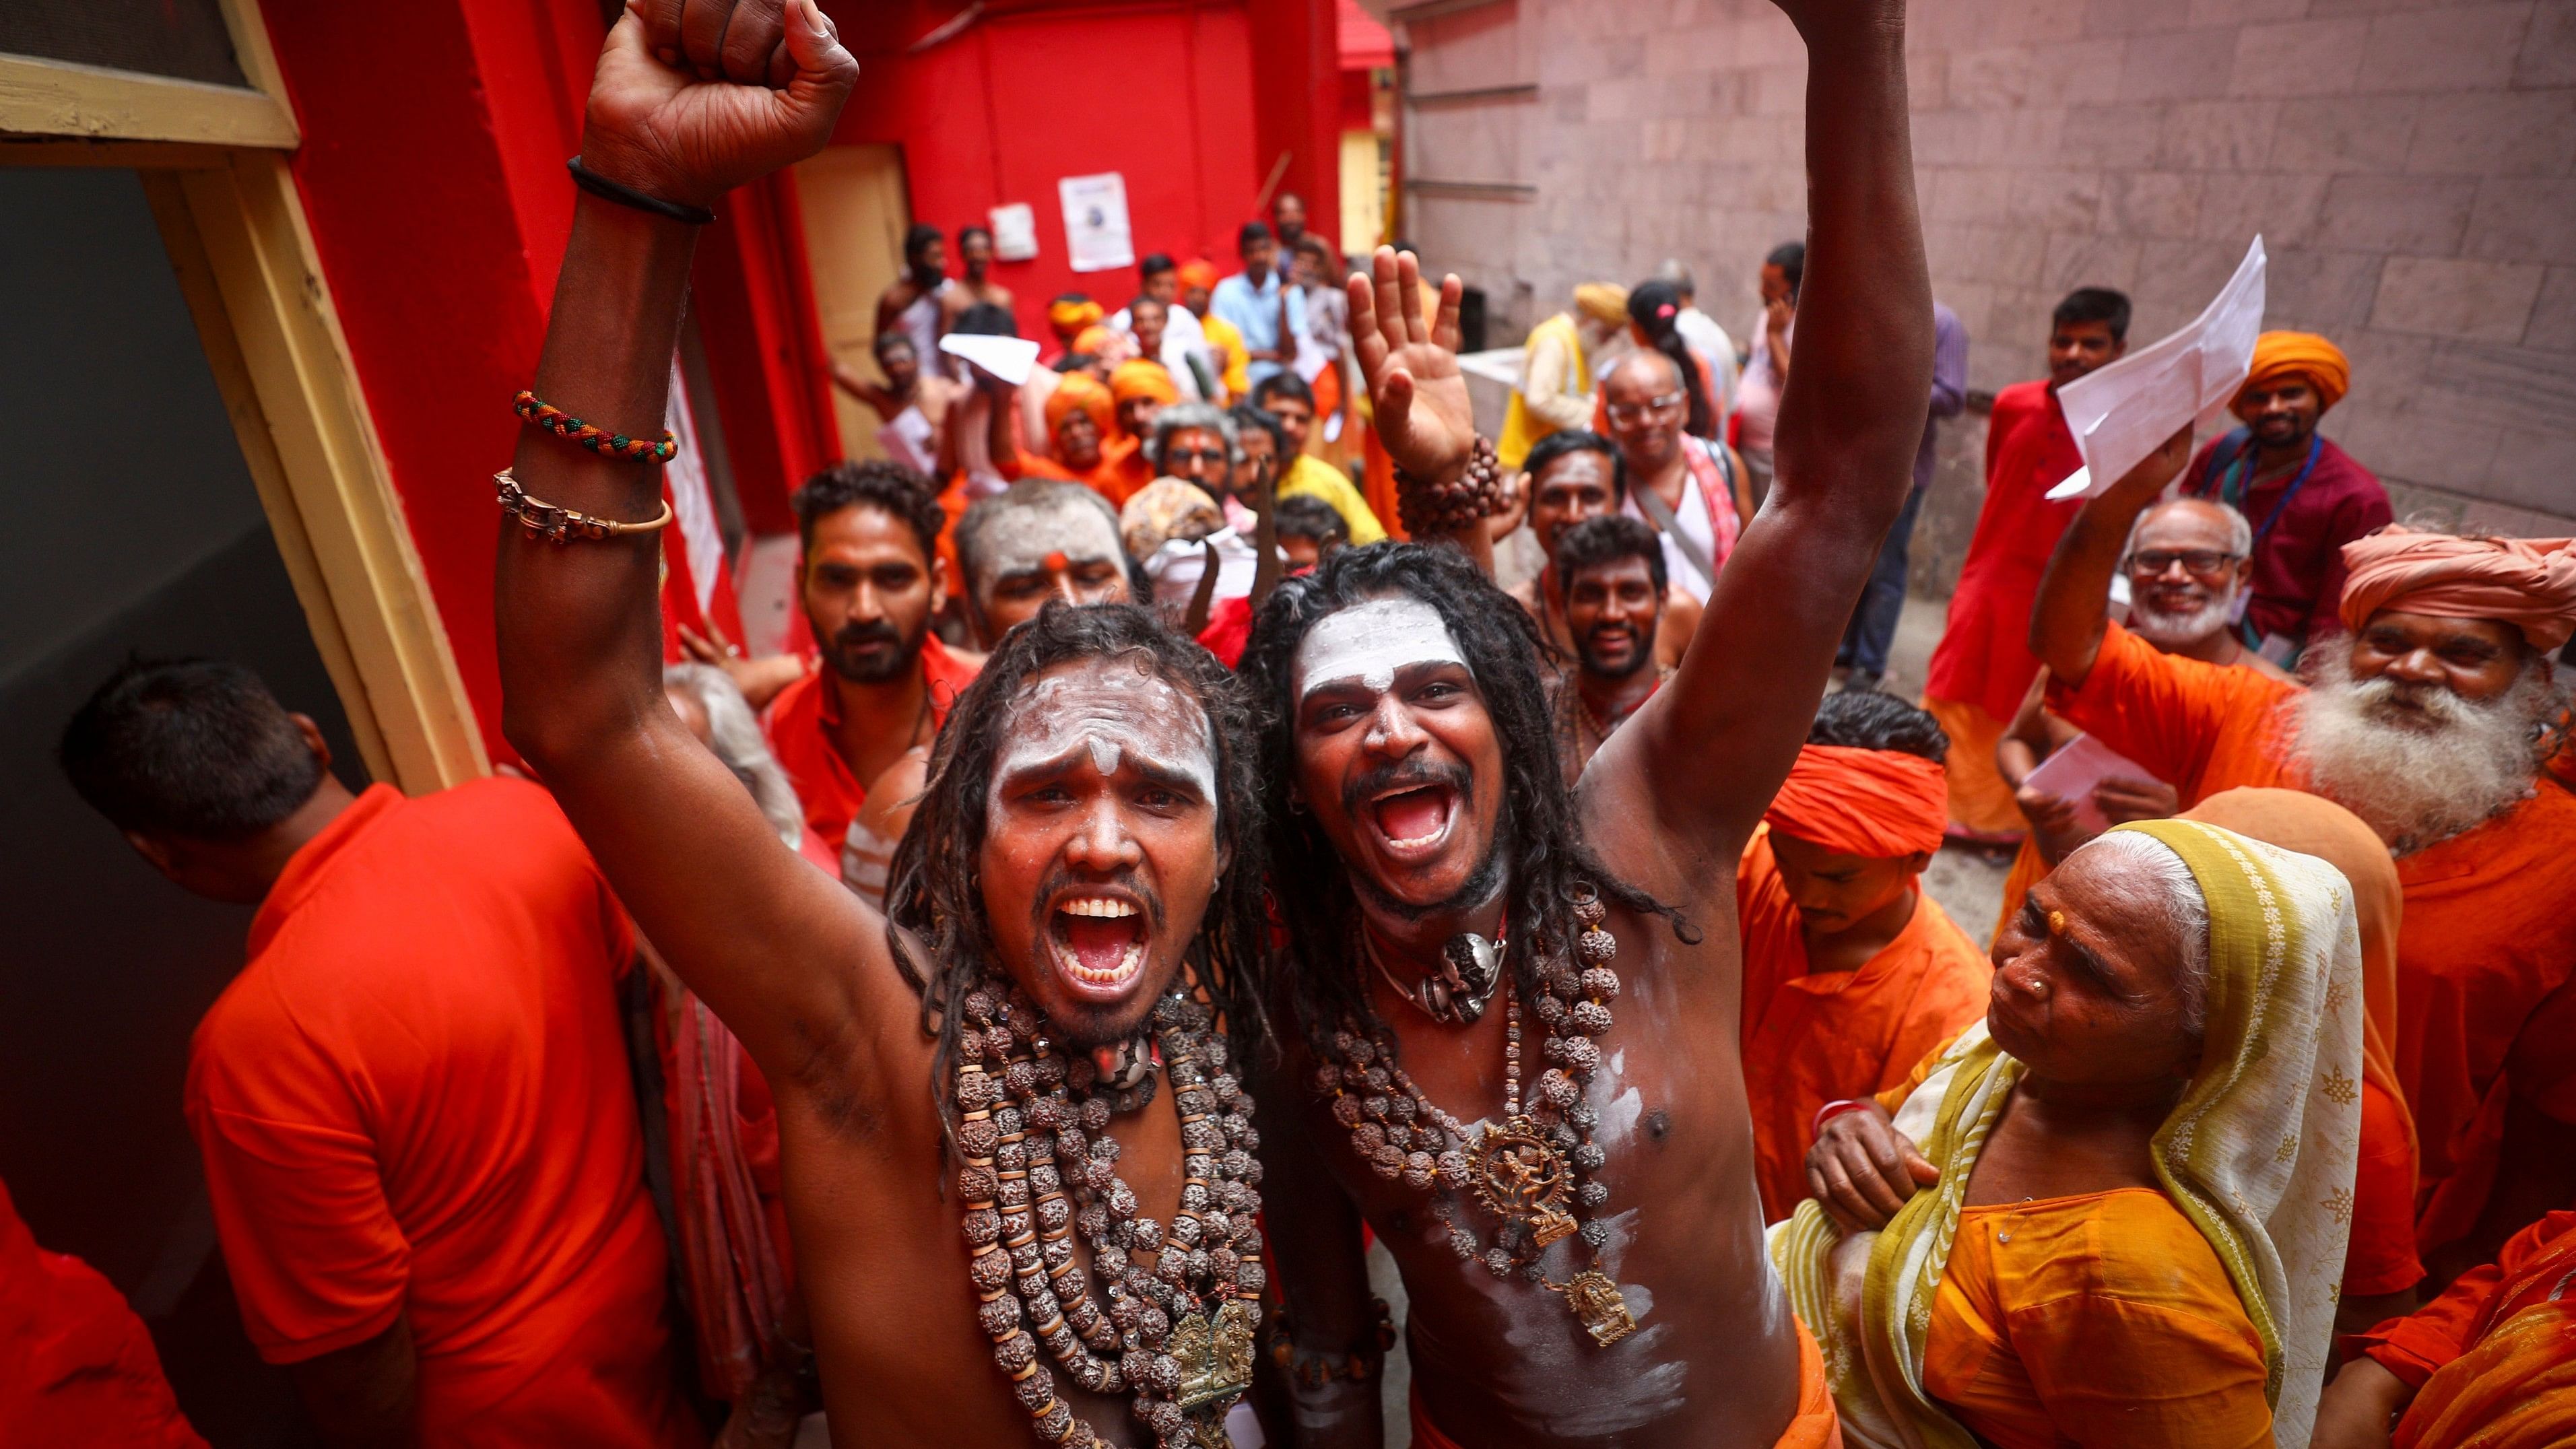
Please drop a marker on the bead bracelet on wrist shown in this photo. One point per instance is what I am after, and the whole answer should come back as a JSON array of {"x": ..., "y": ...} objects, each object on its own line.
[{"x": 1473, "y": 496}]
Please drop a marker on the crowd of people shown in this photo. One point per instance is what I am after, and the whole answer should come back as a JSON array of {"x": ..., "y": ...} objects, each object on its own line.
[{"x": 1178, "y": 862}]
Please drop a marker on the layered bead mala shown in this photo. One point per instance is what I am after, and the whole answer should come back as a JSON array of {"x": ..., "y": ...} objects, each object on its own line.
[
  {"x": 1536, "y": 1170},
  {"x": 1182, "y": 1303}
]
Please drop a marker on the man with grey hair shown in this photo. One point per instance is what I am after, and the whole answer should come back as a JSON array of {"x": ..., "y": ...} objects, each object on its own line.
[
  {"x": 1036, "y": 541},
  {"x": 1702, "y": 333},
  {"x": 706, "y": 700},
  {"x": 1196, "y": 443}
]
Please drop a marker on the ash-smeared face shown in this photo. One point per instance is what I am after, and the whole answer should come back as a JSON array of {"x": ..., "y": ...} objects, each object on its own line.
[
  {"x": 1101, "y": 843},
  {"x": 1397, "y": 757}
]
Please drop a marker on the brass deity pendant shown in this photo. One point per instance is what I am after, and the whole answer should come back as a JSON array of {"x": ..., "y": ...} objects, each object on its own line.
[
  {"x": 1522, "y": 1178},
  {"x": 1215, "y": 1359},
  {"x": 1598, "y": 1304}
]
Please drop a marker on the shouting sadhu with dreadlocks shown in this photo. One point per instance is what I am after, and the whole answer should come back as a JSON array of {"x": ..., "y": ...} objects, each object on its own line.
[
  {"x": 979, "y": 1167},
  {"x": 1516, "y": 1007}
]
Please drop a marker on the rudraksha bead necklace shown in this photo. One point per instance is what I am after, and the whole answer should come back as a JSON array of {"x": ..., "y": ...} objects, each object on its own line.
[
  {"x": 1182, "y": 1303},
  {"x": 1535, "y": 1170}
]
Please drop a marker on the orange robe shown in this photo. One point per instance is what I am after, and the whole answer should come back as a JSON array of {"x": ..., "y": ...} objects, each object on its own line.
[
  {"x": 77, "y": 1368},
  {"x": 2487, "y": 947},
  {"x": 2105, "y": 1314},
  {"x": 1812, "y": 1037},
  {"x": 2501, "y": 1342},
  {"x": 1983, "y": 660},
  {"x": 803, "y": 724},
  {"x": 414, "y": 1102}
]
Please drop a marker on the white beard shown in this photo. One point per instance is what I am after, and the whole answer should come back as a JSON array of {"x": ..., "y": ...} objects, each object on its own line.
[
  {"x": 2420, "y": 775},
  {"x": 2175, "y": 631}
]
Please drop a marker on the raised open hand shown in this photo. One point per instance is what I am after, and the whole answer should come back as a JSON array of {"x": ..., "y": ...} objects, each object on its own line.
[
  {"x": 1423, "y": 415},
  {"x": 693, "y": 98}
]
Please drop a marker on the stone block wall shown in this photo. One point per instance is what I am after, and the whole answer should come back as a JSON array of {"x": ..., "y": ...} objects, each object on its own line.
[{"x": 2410, "y": 164}]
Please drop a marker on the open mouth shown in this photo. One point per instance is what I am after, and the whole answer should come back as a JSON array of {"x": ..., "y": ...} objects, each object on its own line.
[
  {"x": 1414, "y": 820},
  {"x": 1098, "y": 942}
]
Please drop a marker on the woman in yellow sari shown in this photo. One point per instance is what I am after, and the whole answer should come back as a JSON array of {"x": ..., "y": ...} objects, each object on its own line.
[{"x": 2125, "y": 1219}]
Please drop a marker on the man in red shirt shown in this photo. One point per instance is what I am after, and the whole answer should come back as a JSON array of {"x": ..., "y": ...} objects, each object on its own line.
[
  {"x": 76, "y": 1366},
  {"x": 2306, "y": 497},
  {"x": 870, "y": 581},
  {"x": 418, "y": 1127},
  {"x": 1982, "y": 666}
]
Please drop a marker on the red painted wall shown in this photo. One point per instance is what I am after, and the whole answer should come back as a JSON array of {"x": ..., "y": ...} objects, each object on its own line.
[{"x": 1160, "y": 93}]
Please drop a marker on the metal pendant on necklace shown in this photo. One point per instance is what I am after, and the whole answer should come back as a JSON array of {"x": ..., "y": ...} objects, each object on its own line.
[
  {"x": 1522, "y": 1178},
  {"x": 1471, "y": 966}
]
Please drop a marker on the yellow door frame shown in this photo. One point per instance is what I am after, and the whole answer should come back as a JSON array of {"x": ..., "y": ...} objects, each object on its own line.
[{"x": 213, "y": 161}]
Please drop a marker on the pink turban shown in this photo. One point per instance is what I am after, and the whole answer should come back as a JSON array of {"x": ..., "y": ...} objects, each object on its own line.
[
  {"x": 1876, "y": 803},
  {"x": 2529, "y": 583}
]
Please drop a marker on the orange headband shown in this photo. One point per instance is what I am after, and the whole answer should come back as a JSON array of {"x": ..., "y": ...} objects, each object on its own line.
[{"x": 1877, "y": 803}]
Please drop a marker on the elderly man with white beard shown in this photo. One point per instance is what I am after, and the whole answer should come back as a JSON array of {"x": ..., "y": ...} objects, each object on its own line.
[
  {"x": 2429, "y": 719},
  {"x": 2188, "y": 566}
]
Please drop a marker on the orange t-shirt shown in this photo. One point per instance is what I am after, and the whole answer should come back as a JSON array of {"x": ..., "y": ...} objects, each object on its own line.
[
  {"x": 801, "y": 723},
  {"x": 415, "y": 1101},
  {"x": 2104, "y": 1317},
  {"x": 77, "y": 1369},
  {"x": 2486, "y": 940},
  {"x": 1815, "y": 1037}
]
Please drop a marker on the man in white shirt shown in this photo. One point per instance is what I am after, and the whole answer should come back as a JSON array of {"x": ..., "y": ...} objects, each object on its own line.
[{"x": 1159, "y": 277}]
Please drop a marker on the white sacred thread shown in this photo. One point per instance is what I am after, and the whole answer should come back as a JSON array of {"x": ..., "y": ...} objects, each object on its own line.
[{"x": 1370, "y": 641}]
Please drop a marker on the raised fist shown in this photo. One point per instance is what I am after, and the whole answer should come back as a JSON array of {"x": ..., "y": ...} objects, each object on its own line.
[{"x": 695, "y": 97}]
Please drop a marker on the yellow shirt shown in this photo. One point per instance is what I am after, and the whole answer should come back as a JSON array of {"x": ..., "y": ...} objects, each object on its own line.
[
  {"x": 1315, "y": 478},
  {"x": 2103, "y": 1319},
  {"x": 1237, "y": 377}
]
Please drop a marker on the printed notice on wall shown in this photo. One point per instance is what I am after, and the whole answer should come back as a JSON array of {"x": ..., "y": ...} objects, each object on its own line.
[
  {"x": 1015, "y": 232},
  {"x": 1095, "y": 222}
]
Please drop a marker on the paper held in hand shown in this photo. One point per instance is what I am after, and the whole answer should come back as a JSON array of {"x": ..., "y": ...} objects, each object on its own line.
[
  {"x": 2125, "y": 411},
  {"x": 1006, "y": 358},
  {"x": 2077, "y": 769}
]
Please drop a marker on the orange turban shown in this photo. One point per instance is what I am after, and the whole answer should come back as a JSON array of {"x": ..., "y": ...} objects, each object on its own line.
[
  {"x": 1081, "y": 390},
  {"x": 2302, "y": 354},
  {"x": 1603, "y": 302},
  {"x": 1877, "y": 803},
  {"x": 1198, "y": 275},
  {"x": 1068, "y": 316},
  {"x": 2529, "y": 583},
  {"x": 1094, "y": 340},
  {"x": 1143, "y": 377}
]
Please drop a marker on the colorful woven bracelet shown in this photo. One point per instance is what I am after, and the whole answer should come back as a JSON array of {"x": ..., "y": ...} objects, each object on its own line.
[{"x": 599, "y": 440}]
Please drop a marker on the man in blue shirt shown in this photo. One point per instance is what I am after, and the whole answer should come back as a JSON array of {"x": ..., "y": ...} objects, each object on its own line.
[{"x": 1251, "y": 300}]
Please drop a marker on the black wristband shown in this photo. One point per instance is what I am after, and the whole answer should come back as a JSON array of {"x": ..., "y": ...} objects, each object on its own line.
[{"x": 607, "y": 190}]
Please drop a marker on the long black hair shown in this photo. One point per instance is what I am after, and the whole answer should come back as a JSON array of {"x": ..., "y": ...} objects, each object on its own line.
[
  {"x": 934, "y": 894},
  {"x": 1656, "y": 308},
  {"x": 1542, "y": 837}
]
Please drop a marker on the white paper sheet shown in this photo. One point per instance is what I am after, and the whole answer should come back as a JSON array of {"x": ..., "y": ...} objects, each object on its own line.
[
  {"x": 1007, "y": 358},
  {"x": 1015, "y": 232},
  {"x": 1095, "y": 222},
  {"x": 2078, "y": 766},
  {"x": 2125, "y": 411}
]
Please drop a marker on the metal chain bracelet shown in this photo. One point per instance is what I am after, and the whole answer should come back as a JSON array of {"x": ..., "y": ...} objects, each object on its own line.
[{"x": 557, "y": 524}]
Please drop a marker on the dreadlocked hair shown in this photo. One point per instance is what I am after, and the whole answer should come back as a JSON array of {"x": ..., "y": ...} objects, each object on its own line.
[
  {"x": 1542, "y": 837},
  {"x": 935, "y": 922}
]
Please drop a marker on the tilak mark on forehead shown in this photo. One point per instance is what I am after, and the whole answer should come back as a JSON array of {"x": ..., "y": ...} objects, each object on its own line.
[
  {"x": 1370, "y": 641},
  {"x": 1114, "y": 710}
]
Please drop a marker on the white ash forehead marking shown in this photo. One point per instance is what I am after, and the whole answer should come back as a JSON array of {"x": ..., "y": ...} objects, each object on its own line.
[
  {"x": 1370, "y": 641},
  {"x": 1021, "y": 538},
  {"x": 1109, "y": 707}
]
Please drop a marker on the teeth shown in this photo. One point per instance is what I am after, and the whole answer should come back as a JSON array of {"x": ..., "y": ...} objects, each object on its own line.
[
  {"x": 1128, "y": 965},
  {"x": 1099, "y": 907},
  {"x": 1415, "y": 840}
]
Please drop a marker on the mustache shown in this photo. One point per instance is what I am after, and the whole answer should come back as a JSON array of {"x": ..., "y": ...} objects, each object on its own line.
[
  {"x": 874, "y": 631},
  {"x": 1060, "y": 878},
  {"x": 1411, "y": 773}
]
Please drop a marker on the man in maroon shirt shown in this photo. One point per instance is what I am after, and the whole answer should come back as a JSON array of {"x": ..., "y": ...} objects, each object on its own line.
[{"x": 2306, "y": 497}]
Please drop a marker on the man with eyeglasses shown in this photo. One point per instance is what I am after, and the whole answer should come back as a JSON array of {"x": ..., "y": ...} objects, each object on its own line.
[
  {"x": 1691, "y": 491},
  {"x": 2186, "y": 569}
]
